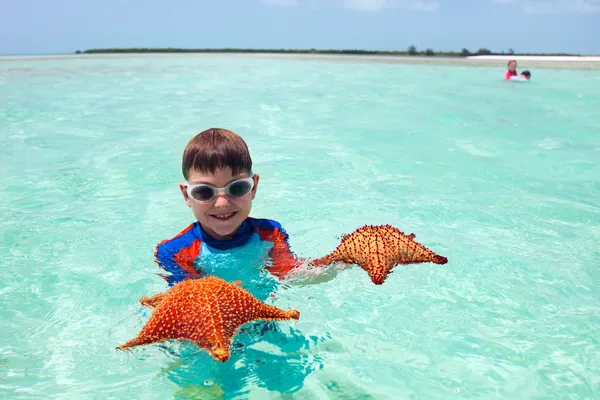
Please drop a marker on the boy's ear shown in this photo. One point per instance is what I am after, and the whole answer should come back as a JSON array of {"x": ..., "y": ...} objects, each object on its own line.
[
  {"x": 256, "y": 179},
  {"x": 183, "y": 189}
]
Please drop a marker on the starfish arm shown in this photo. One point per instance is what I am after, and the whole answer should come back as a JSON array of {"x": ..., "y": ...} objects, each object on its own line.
[
  {"x": 152, "y": 301},
  {"x": 215, "y": 326},
  {"x": 138, "y": 341},
  {"x": 267, "y": 312}
]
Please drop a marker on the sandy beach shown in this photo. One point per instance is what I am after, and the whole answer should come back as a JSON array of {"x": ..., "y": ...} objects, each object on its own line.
[
  {"x": 573, "y": 62},
  {"x": 539, "y": 58},
  {"x": 550, "y": 62}
]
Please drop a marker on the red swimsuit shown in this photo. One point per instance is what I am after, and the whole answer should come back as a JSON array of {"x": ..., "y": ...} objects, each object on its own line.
[{"x": 510, "y": 73}]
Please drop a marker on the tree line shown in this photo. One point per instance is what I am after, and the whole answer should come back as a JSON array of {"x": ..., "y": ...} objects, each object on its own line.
[{"x": 411, "y": 51}]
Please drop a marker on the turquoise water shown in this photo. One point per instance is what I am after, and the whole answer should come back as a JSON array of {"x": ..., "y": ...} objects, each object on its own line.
[{"x": 501, "y": 178}]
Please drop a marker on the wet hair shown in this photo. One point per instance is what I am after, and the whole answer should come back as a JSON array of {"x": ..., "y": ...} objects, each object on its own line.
[
  {"x": 527, "y": 74},
  {"x": 215, "y": 149}
]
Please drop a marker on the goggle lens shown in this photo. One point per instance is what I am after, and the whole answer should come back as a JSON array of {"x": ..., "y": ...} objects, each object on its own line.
[
  {"x": 205, "y": 192},
  {"x": 240, "y": 188},
  {"x": 202, "y": 193}
]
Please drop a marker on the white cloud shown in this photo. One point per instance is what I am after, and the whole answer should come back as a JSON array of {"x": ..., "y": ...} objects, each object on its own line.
[
  {"x": 280, "y": 2},
  {"x": 376, "y": 5},
  {"x": 555, "y": 6}
]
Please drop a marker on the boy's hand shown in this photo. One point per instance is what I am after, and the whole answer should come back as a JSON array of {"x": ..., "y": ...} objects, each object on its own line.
[{"x": 283, "y": 261}]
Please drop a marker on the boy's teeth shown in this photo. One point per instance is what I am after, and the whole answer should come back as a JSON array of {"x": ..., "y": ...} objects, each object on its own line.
[{"x": 223, "y": 216}]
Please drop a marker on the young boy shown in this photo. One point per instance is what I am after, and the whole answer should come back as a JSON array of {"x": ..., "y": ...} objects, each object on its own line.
[
  {"x": 512, "y": 70},
  {"x": 219, "y": 188}
]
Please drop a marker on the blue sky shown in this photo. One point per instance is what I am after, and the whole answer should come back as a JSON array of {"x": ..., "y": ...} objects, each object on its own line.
[{"x": 63, "y": 26}]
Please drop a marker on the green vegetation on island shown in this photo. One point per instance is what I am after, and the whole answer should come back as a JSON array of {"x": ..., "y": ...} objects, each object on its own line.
[{"x": 411, "y": 51}]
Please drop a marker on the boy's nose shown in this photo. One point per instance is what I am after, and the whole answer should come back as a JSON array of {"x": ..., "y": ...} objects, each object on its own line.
[{"x": 221, "y": 201}]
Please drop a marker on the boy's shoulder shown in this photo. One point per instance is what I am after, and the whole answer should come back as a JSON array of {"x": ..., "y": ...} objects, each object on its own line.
[
  {"x": 267, "y": 229},
  {"x": 185, "y": 235},
  {"x": 185, "y": 239},
  {"x": 178, "y": 253},
  {"x": 264, "y": 223}
]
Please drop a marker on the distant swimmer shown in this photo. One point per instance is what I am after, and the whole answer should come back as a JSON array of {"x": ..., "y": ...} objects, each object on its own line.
[
  {"x": 512, "y": 70},
  {"x": 512, "y": 75},
  {"x": 525, "y": 76}
]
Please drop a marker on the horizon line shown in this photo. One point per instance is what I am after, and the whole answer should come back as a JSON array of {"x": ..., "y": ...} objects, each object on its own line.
[{"x": 428, "y": 52}]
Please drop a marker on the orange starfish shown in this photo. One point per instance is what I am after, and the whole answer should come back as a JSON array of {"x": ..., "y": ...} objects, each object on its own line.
[
  {"x": 206, "y": 311},
  {"x": 378, "y": 249}
]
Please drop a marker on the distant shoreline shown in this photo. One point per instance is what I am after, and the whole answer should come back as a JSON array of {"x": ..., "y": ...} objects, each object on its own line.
[{"x": 351, "y": 52}]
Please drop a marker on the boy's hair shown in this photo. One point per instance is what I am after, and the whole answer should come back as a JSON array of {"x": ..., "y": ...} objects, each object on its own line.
[
  {"x": 215, "y": 149},
  {"x": 526, "y": 73}
]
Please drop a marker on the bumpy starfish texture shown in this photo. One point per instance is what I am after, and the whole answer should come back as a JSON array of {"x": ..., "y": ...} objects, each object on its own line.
[
  {"x": 207, "y": 312},
  {"x": 378, "y": 249}
]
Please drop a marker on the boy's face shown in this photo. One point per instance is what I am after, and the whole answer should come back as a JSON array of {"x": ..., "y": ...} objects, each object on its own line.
[
  {"x": 512, "y": 66},
  {"x": 223, "y": 215}
]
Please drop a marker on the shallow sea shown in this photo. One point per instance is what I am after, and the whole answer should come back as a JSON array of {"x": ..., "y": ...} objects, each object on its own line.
[{"x": 501, "y": 178}]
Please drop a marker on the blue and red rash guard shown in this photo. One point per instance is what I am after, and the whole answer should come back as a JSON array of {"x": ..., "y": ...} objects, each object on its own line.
[
  {"x": 510, "y": 73},
  {"x": 182, "y": 254}
]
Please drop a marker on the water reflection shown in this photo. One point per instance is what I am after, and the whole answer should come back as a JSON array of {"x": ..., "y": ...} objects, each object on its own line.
[{"x": 264, "y": 355}]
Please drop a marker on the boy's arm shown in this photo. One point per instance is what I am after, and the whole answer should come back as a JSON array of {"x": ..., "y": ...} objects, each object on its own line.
[
  {"x": 315, "y": 274},
  {"x": 285, "y": 265},
  {"x": 282, "y": 258},
  {"x": 178, "y": 261}
]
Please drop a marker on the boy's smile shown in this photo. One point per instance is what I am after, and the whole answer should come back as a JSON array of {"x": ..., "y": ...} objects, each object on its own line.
[
  {"x": 224, "y": 217},
  {"x": 221, "y": 216}
]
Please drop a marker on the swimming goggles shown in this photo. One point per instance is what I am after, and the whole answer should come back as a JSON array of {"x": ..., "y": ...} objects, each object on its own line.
[{"x": 203, "y": 192}]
